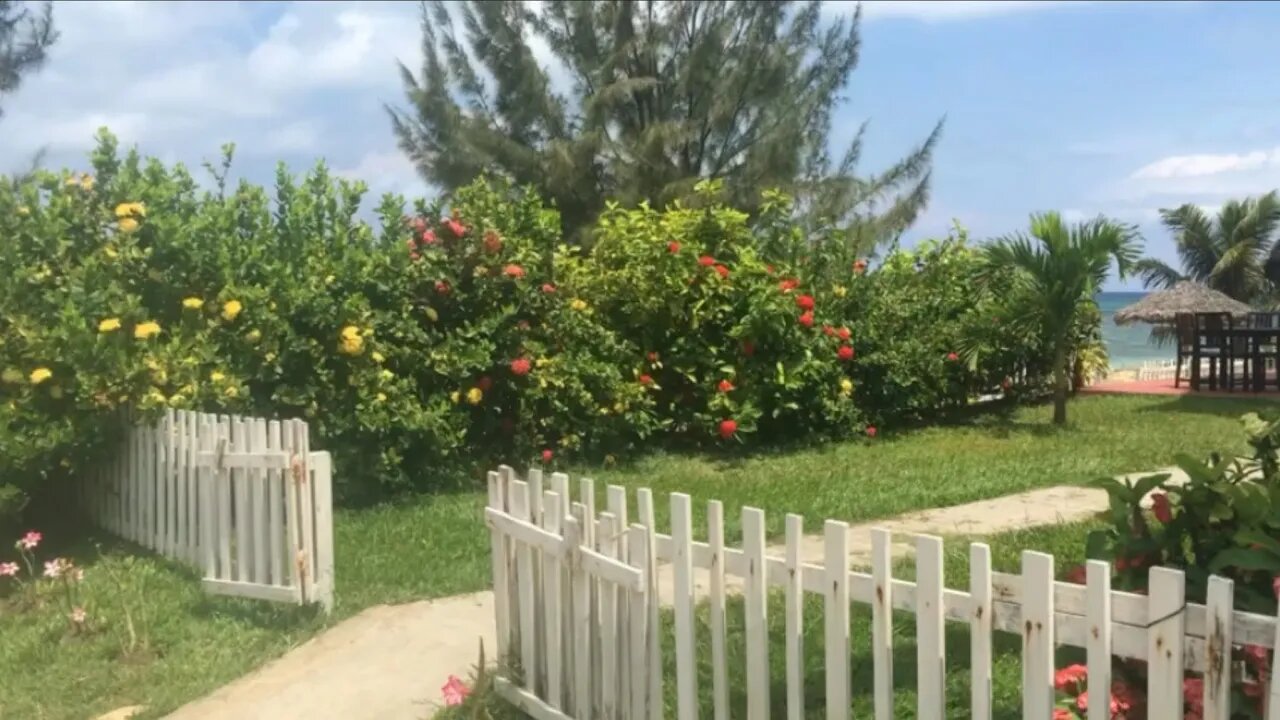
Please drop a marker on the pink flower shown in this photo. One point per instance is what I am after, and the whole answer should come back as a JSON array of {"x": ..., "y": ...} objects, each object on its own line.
[
  {"x": 428, "y": 237},
  {"x": 455, "y": 227},
  {"x": 645, "y": 379},
  {"x": 1077, "y": 575},
  {"x": 1082, "y": 702},
  {"x": 1193, "y": 695},
  {"x": 952, "y": 357},
  {"x": 1062, "y": 714},
  {"x": 871, "y": 431},
  {"x": 30, "y": 540},
  {"x": 454, "y": 691},
  {"x": 78, "y": 615},
  {"x": 722, "y": 271},
  {"x": 547, "y": 455},
  {"x": 514, "y": 271},
  {"x": 9, "y": 569},
  {"x": 548, "y": 288},
  {"x": 1069, "y": 679},
  {"x": 55, "y": 568},
  {"x": 442, "y": 287},
  {"x": 706, "y": 261},
  {"x": 1254, "y": 655},
  {"x": 1160, "y": 506},
  {"x": 414, "y": 256},
  {"x": 411, "y": 244},
  {"x": 844, "y": 333}
]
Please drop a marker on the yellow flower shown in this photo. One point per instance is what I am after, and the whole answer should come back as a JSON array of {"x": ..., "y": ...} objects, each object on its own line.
[
  {"x": 328, "y": 279},
  {"x": 192, "y": 303},
  {"x": 133, "y": 209},
  {"x": 839, "y": 291},
  {"x": 231, "y": 391},
  {"x": 269, "y": 357},
  {"x": 23, "y": 211},
  {"x": 110, "y": 251},
  {"x": 86, "y": 181},
  {"x": 386, "y": 375},
  {"x": 619, "y": 408},
  {"x": 254, "y": 335},
  {"x": 382, "y": 397},
  {"x": 40, "y": 374},
  {"x": 230, "y": 309},
  {"x": 432, "y": 315},
  {"x": 349, "y": 341},
  {"x": 176, "y": 400},
  {"x": 109, "y": 325},
  {"x": 475, "y": 395},
  {"x": 377, "y": 357},
  {"x": 11, "y": 376},
  {"x": 216, "y": 376},
  {"x": 578, "y": 304},
  {"x": 455, "y": 397},
  {"x": 142, "y": 331},
  {"x": 846, "y": 386},
  {"x": 156, "y": 397},
  {"x": 541, "y": 362},
  {"x": 128, "y": 225}
]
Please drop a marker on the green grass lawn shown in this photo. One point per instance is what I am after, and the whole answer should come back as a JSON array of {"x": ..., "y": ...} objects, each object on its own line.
[{"x": 431, "y": 546}]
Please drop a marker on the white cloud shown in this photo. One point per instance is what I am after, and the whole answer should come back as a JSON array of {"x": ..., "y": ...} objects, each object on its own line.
[
  {"x": 1186, "y": 166},
  {"x": 388, "y": 171},
  {"x": 285, "y": 82}
]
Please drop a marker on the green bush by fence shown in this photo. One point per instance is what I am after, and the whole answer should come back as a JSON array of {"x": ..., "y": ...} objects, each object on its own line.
[{"x": 439, "y": 339}]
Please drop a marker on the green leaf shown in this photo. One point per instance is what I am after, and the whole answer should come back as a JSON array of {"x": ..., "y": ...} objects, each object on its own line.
[{"x": 1245, "y": 559}]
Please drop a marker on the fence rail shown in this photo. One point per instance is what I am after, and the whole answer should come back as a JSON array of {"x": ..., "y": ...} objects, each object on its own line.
[
  {"x": 577, "y": 599},
  {"x": 244, "y": 500}
]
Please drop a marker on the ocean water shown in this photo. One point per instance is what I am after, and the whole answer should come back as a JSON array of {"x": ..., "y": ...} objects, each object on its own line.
[{"x": 1128, "y": 345}]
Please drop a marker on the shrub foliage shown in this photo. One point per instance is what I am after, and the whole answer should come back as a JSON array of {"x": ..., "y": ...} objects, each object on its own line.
[{"x": 434, "y": 339}]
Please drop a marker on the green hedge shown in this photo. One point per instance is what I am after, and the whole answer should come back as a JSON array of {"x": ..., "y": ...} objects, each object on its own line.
[{"x": 437, "y": 340}]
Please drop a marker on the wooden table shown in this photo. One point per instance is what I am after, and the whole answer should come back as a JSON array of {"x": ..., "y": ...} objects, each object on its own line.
[{"x": 1254, "y": 339}]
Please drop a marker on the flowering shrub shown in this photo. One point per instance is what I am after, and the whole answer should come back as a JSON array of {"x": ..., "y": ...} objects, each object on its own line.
[
  {"x": 59, "y": 571},
  {"x": 439, "y": 339},
  {"x": 1223, "y": 521}
]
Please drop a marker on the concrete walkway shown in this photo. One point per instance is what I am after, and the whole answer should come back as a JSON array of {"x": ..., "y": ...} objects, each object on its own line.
[{"x": 388, "y": 662}]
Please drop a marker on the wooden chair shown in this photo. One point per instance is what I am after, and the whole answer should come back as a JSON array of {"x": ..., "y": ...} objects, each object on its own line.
[
  {"x": 1185, "y": 336},
  {"x": 1211, "y": 344},
  {"x": 1268, "y": 349}
]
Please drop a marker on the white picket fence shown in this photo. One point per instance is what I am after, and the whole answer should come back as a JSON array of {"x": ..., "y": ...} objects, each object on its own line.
[
  {"x": 242, "y": 499},
  {"x": 577, "y": 602}
]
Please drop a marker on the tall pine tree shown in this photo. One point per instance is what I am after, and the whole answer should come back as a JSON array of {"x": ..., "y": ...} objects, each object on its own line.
[
  {"x": 663, "y": 93},
  {"x": 25, "y": 35}
]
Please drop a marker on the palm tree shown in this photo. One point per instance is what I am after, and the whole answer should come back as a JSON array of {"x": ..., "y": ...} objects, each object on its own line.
[
  {"x": 1054, "y": 274},
  {"x": 1234, "y": 254}
]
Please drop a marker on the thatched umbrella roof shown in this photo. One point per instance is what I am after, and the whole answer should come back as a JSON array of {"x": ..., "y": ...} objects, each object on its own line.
[{"x": 1163, "y": 306}]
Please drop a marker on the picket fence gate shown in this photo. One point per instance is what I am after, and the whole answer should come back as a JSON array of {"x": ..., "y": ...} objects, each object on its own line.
[
  {"x": 244, "y": 500},
  {"x": 577, "y": 611}
]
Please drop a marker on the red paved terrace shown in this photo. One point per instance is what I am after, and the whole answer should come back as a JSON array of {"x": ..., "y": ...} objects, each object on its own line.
[{"x": 1165, "y": 387}]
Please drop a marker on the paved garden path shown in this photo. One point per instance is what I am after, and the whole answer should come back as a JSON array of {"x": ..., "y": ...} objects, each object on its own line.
[{"x": 388, "y": 662}]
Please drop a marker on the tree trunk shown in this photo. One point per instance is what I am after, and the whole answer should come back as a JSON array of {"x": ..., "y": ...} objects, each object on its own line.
[{"x": 1060, "y": 387}]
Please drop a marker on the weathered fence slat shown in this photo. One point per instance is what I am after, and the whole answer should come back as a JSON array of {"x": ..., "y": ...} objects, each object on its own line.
[
  {"x": 1098, "y": 579},
  {"x": 980, "y": 654},
  {"x": 682, "y": 570},
  {"x": 1037, "y": 635},
  {"x": 795, "y": 620}
]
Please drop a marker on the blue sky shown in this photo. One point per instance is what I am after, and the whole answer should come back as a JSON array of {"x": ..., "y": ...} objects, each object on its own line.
[{"x": 1107, "y": 107}]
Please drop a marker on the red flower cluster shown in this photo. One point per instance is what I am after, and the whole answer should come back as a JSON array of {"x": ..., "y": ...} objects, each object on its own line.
[
  {"x": 520, "y": 366},
  {"x": 652, "y": 356},
  {"x": 859, "y": 266},
  {"x": 725, "y": 386},
  {"x": 828, "y": 331},
  {"x": 845, "y": 353},
  {"x": 428, "y": 237},
  {"x": 1160, "y": 507},
  {"x": 443, "y": 287},
  {"x": 1077, "y": 575},
  {"x": 728, "y": 428},
  {"x": 952, "y": 357},
  {"x": 706, "y": 261},
  {"x": 547, "y": 455},
  {"x": 645, "y": 379},
  {"x": 513, "y": 271},
  {"x": 788, "y": 285},
  {"x": 722, "y": 271},
  {"x": 1070, "y": 679},
  {"x": 806, "y": 318},
  {"x": 871, "y": 431},
  {"x": 455, "y": 227},
  {"x": 492, "y": 242},
  {"x": 804, "y": 302},
  {"x": 548, "y": 288},
  {"x": 673, "y": 247},
  {"x": 844, "y": 333}
]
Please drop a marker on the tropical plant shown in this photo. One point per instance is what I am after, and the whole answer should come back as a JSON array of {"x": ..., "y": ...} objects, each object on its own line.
[
  {"x": 1053, "y": 276},
  {"x": 1235, "y": 253},
  {"x": 664, "y": 93}
]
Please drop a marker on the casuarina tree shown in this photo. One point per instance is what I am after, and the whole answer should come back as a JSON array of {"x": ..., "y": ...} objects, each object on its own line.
[
  {"x": 635, "y": 101},
  {"x": 25, "y": 35}
]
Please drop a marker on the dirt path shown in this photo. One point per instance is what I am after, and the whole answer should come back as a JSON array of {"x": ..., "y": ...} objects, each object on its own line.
[{"x": 388, "y": 662}]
